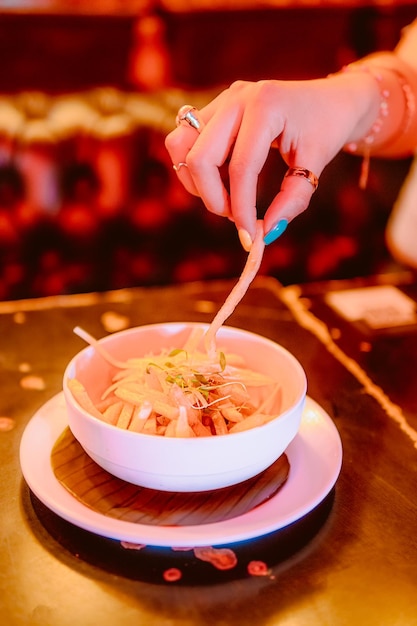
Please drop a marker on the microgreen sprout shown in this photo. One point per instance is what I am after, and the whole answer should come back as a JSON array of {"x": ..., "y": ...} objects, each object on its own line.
[
  {"x": 151, "y": 364},
  {"x": 177, "y": 351}
]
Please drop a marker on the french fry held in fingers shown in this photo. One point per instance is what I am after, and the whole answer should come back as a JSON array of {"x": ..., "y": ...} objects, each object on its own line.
[{"x": 250, "y": 270}]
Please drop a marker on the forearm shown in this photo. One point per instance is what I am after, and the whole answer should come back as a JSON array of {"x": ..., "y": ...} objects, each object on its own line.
[{"x": 393, "y": 133}]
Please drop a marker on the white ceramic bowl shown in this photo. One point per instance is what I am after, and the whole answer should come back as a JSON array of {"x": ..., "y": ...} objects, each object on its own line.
[{"x": 185, "y": 464}]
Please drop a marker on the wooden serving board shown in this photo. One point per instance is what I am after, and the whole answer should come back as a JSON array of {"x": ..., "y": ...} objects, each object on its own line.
[{"x": 106, "y": 494}]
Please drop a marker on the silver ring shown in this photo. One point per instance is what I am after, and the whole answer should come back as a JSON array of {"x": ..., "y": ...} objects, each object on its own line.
[
  {"x": 304, "y": 173},
  {"x": 189, "y": 116},
  {"x": 179, "y": 166}
]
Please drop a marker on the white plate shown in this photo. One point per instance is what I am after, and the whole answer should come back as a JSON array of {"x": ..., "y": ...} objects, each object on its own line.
[{"x": 315, "y": 457}]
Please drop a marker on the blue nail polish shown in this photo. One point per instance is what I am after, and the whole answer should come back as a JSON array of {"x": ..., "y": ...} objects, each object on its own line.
[{"x": 276, "y": 232}]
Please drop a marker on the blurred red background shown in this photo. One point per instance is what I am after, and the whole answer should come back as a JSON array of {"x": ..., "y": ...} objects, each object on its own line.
[{"x": 88, "y": 198}]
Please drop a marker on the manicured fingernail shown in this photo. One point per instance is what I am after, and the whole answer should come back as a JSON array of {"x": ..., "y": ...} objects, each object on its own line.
[
  {"x": 245, "y": 239},
  {"x": 276, "y": 232}
]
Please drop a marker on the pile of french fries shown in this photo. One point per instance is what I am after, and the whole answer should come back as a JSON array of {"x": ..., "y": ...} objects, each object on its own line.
[{"x": 176, "y": 395}]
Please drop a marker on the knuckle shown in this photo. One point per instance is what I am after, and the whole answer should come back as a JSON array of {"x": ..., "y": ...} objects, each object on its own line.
[
  {"x": 266, "y": 92},
  {"x": 238, "y": 85},
  {"x": 194, "y": 163},
  {"x": 172, "y": 141},
  {"x": 238, "y": 167}
]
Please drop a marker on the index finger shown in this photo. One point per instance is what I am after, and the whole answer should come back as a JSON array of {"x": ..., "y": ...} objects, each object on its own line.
[
  {"x": 249, "y": 156},
  {"x": 211, "y": 151}
]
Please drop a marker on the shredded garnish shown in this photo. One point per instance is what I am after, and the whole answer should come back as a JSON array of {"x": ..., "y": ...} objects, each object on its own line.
[{"x": 83, "y": 334}]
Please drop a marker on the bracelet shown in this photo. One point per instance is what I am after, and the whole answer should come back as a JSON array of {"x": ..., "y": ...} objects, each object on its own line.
[{"x": 366, "y": 144}]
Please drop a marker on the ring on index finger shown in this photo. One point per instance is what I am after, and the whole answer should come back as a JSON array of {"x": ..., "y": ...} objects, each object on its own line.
[{"x": 189, "y": 116}]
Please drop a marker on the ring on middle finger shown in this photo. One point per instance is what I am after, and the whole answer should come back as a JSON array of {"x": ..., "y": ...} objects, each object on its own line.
[{"x": 178, "y": 166}]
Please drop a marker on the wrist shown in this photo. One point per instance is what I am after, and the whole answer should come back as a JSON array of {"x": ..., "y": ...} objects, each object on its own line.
[
  {"x": 393, "y": 131},
  {"x": 369, "y": 104}
]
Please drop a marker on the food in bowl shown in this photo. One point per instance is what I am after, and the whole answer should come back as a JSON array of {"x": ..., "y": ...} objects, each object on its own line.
[
  {"x": 183, "y": 392},
  {"x": 188, "y": 460}
]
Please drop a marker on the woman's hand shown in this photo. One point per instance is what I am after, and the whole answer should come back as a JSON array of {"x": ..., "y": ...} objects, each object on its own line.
[{"x": 308, "y": 121}]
